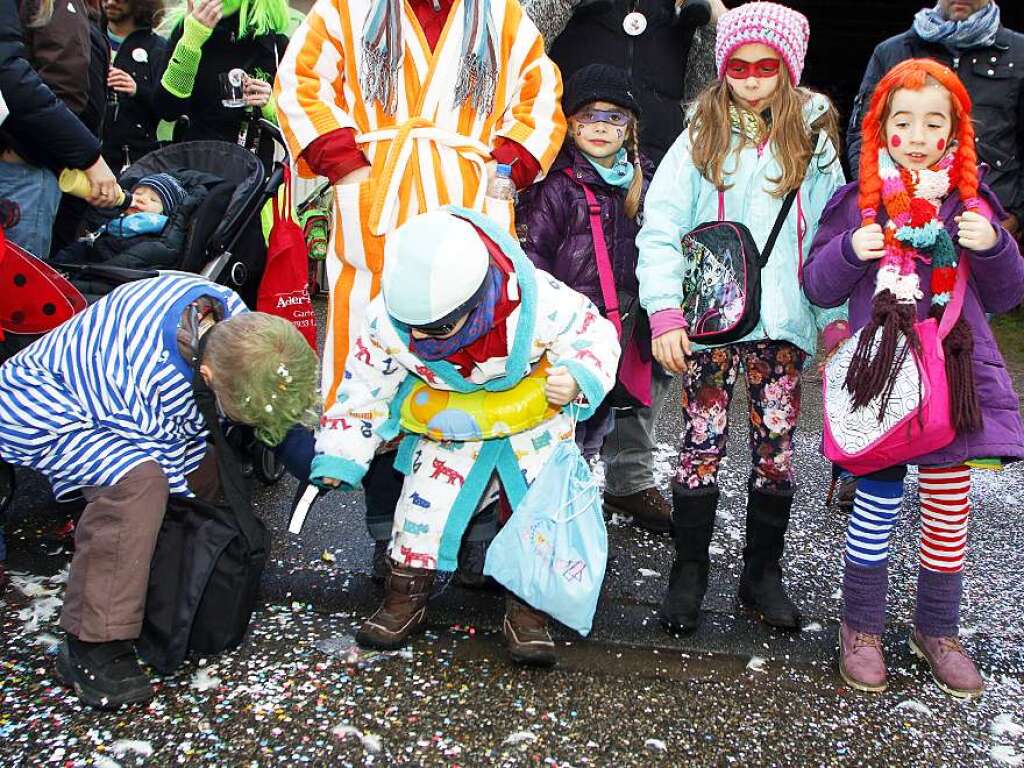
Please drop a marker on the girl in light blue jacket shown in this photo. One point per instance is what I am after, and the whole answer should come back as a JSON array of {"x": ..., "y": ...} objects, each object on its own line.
[{"x": 753, "y": 137}]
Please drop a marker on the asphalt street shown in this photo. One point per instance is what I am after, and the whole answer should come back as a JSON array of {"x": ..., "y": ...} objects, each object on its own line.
[{"x": 734, "y": 693}]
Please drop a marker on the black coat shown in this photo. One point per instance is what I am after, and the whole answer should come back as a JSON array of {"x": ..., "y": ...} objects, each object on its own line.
[
  {"x": 208, "y": 118},
  {"x": 99, "y": 67},
  {"x": 129, "y": 131},
  {"x": 994, "y": 77},
  {"x": 40, "y": 127},
  {"x": 654, "y": 60}
]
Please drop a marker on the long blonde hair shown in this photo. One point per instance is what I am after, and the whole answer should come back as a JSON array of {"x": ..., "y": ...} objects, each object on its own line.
[{"x": 792, "y": 143}]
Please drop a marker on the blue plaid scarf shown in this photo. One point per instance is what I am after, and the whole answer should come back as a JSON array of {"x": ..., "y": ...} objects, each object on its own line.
[
  {"x": 383, "y": 50},
  {"x": 976, "y": 31}
]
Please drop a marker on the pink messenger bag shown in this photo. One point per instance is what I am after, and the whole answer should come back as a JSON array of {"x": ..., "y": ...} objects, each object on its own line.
[
  {"x": 916, "y": 421},
  {"x": 634, "y": 377}
]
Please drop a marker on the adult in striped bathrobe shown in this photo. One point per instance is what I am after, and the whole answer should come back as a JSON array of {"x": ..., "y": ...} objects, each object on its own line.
[
  {"x": 406, "y": 107},
  {"x": 103, "y": 406}
]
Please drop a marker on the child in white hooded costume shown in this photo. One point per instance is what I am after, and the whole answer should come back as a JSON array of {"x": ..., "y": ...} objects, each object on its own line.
[{"x": 472, "y": 353}]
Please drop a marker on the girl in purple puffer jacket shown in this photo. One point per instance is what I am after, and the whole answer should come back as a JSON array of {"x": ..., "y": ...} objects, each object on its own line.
[{"x": 600, "y": 158}]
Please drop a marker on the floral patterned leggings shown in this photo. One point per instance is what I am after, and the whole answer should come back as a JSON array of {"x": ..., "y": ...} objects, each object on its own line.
[{"x": 772, "y": 370}]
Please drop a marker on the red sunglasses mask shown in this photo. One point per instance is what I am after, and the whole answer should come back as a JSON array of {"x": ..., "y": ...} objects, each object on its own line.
[{"x": 741, "y": 70}]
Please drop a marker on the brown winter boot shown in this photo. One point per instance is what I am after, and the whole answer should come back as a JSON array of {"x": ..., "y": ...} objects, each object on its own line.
[
  {"x": 403, "y": 612},
  {"x": 526, "y": 634},
  {"x": 648, "y": 508}
]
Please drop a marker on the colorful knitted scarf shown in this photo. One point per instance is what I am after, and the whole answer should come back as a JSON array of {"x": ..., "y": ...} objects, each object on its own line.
[
  {"x": 383, "y": 50},
  {"x": 914, "y": 233}
]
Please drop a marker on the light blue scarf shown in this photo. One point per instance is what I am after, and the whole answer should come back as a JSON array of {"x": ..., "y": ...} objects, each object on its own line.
[
  {"x": 134, "y": 224},
  {"x": 619, "y": 175},
  {"x": 976, "y": 31},
  {"x": 383, "y": 50}
]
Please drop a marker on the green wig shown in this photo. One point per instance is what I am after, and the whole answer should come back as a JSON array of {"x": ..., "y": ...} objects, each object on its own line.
[
  {"x": 264, "y": 374},
  {"x": 255, "y": 17}
]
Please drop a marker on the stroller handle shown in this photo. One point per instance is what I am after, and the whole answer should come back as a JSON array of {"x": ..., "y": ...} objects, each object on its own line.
[{"x": 274, "y": 132}]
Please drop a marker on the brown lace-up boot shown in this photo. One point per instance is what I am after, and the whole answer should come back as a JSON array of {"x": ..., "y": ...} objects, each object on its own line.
[
  {"x": 403, "y": 612},
  {"x": 526, "y": 634}
]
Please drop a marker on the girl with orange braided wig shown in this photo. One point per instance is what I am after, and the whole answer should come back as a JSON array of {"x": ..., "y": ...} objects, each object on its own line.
[{"x": 892, "y": 247}]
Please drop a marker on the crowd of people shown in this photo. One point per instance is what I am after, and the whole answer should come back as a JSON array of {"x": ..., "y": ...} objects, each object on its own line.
[{"x": 681, "y": 210}]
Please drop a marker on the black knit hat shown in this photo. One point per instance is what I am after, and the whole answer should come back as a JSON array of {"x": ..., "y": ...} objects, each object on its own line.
[{"x": 599, "y": 82}]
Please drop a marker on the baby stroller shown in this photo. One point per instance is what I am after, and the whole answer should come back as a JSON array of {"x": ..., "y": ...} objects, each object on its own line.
[{"x": 217, "y": 233}]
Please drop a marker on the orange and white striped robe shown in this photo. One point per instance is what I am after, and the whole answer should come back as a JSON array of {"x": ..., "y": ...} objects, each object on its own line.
[{"x": 428, "y": 154}]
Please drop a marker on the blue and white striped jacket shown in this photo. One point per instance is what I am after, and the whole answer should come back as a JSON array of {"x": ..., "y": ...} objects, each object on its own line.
[{"x": 109, "y": 390}]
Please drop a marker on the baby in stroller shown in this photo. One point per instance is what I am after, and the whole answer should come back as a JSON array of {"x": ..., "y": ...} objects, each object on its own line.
[{"x": 149, "y": 234}]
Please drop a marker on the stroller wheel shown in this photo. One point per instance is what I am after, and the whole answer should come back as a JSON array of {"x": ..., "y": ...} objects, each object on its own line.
[
  {"x": 265, "y": 464},
  {"x": 6, "y": 486}
]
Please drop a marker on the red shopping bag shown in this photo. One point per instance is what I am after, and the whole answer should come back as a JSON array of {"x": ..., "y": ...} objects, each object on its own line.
[{"x": 284, "y": 289}]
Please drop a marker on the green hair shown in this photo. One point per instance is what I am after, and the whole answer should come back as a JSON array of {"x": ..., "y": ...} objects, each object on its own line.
[
  {"x": 255, "y": 17},
  {"x": 264, "y": 374}
]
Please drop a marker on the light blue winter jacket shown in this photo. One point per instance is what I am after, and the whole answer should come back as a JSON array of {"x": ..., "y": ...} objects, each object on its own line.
[{"x": 680, "y": 198}]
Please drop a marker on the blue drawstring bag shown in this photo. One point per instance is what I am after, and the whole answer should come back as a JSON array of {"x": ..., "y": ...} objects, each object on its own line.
[{"x": 553, "y": 551}]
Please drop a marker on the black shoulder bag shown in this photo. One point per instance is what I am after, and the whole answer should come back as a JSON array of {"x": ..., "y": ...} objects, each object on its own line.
[
  {"x": 205, "y": 575},
  {"x": 722, "y": 291}
]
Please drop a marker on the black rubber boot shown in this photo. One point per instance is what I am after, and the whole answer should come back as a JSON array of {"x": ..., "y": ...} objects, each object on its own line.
[
  {"x": 693, "y": 523},
  {"x": 761, "y": 582},
  {"x": 104, "y": 675}
]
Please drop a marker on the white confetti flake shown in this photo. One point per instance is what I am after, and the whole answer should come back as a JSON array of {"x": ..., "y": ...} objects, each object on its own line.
[
  {"x": 1004, "y": 725},
  {"x": 648, "y": 573},
  {"x": 102, "y": 761},
  {"x": 520, "y": 737},
  {"x": 124, "y": 746},
  {"x": 370, "y": 742},
  {"x": 1005, "y": 755},
  {"x": 912, "y": 705},
  {"x": 756, "y": 664},
  {"x": 655, "y": 745},
  {"x": 204, "y": 680},
  {"x": 814, "y": 626}
]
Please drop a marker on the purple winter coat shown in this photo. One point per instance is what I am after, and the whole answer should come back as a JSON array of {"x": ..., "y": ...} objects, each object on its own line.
[
  {"x": 553, "y": 223},
  {"x": 833, "y": 274}
]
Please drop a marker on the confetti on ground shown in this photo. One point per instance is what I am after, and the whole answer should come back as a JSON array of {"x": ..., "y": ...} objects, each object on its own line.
[
  {"x": 648, "y": 573},
  {"x": 756, "y": 664},
  {"x": 125, "y": 746},
  {"x": 1004, "y": 725},
  {"x": 204, "y": 679},
  {"x": 1005, "y": 755},
  {"x": 520, "y": 737},
  {"x": 655, "y": 745},
  {"x": 910, "y": 705},
  {"x": 814, "y": 626},
  {"x": 370, "y": 742}
]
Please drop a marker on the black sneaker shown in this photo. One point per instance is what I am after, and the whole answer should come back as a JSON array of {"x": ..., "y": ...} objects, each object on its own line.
[{"x": 104, "y": 675}]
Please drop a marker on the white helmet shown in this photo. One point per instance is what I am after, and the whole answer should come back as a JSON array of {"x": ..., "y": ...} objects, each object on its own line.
[{"x": 435, "y": 266}]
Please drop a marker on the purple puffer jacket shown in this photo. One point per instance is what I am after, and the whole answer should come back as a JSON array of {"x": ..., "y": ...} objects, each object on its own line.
[
  {"x": 553, "y": 223},
  {"x": 833, "y": 274}
]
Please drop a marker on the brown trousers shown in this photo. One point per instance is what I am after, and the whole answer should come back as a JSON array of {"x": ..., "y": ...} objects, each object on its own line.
[{"x": 114, "y": 543}]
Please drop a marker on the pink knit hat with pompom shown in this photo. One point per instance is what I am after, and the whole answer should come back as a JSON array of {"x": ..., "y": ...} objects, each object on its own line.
[{"x": 780, "y": 28}]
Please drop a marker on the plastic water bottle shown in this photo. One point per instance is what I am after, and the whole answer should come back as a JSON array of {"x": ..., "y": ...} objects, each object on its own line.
[{"x": 501, "y": 187}]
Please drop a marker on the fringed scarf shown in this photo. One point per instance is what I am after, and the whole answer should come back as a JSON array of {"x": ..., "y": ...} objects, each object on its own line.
[
  {"x": 914, "y": 232},
  {"x": 383, "y": 50}
]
